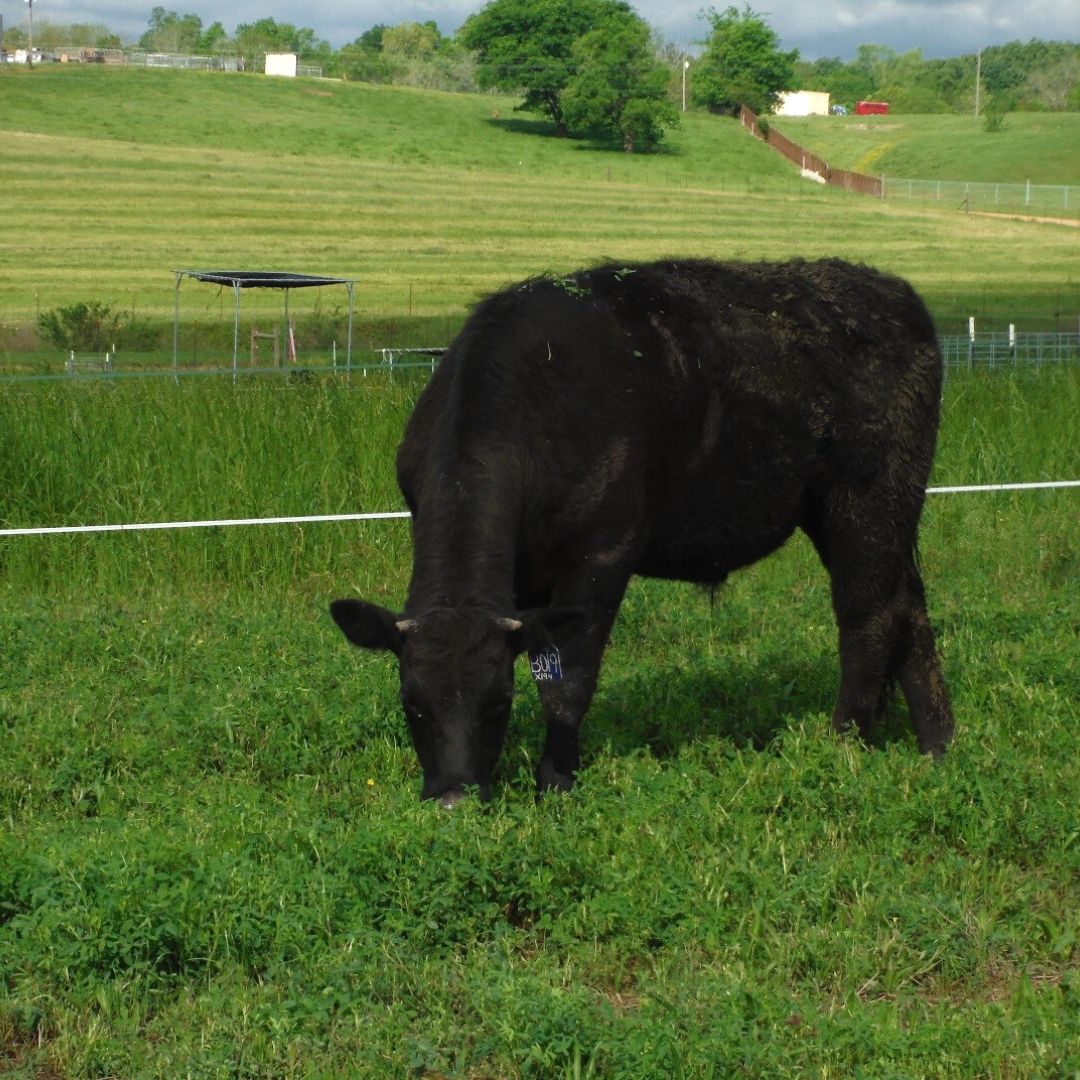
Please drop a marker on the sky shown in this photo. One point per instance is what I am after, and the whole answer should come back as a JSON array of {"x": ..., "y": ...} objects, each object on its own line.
[{"x": 820, "y": 28}]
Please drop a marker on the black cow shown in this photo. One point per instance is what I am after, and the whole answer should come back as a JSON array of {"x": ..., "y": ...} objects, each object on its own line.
[{"x": 678, "y": 420}]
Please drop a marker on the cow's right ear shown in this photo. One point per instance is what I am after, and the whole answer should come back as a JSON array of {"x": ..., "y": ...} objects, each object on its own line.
[{"x": 369, "y": 626}]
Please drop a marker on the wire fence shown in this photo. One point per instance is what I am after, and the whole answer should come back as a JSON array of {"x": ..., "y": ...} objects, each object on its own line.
[
  {"x": 392, "y": 515},
  {"x": 958, "y": 352},
  {"x": 811, "y": 166},
  {"x": 110, "y": 366},
  {"x": 1060, "y": 200},
  {"x": 80, "y": 54},
  {"x": 1008, "y": 350}
]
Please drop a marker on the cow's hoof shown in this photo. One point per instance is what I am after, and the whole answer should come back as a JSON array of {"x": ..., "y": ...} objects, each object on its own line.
[{"x": 548, "y": 778}]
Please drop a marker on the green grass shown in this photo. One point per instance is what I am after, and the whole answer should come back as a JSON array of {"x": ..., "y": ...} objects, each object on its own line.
[
  {"x": 115, "y": 178},
  {"x": 212, "y": 857},
  {"x": 213, "y": 862},
  {"x": 1041, "y": 147}
]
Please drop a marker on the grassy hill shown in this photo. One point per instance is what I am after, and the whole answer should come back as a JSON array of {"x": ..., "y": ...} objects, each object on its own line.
[
  {"x": 356, "y": 122},
  {"x": 115, "y": 177},
  {"x": 1041, "y": 147}
]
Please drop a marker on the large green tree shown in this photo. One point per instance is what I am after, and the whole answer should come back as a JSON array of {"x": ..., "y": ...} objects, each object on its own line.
[
  {"x": 841, "y": 81},
  {"x": 619, "y": 87},
  {"x": 170, "y": 32},
  {"x": 528, "y": 45},
  {"x": 743, "y": 63},
  {"x": 267, "y": 35},
  {"x": 411, "y": 40}
]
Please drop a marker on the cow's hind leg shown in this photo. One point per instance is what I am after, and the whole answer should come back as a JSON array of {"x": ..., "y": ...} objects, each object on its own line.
[
  {"x": 884, "y": 631},
  {"x": 917, "y": 667}
]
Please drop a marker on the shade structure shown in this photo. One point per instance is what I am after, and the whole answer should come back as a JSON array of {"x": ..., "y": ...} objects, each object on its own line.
[{"x": 238, "y": 280}]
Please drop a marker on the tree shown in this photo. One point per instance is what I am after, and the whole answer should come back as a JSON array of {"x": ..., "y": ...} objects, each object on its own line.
[
  {"x": 170, "y": 32},
  {"x": 742, "y": 63},
  {"x": 409, "y": 54},
  {"x": 841, "y": 81},
  {"x": 267, "y": 35},
  {"x": 363, "y": 60},
  {"x": 619, "y": 87},
  {"x": 1055, "y": 85},
  {"x": 50, "y": 35},
  {"x": 213, "y": 39},
  {"x": 527, "y": 46},
  {"x": 372, "y": 39},
  {"x": 411, "y": 41}
]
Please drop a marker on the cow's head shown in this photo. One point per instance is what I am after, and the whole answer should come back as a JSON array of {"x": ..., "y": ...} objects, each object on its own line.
[{"x": 457, "y": 682}]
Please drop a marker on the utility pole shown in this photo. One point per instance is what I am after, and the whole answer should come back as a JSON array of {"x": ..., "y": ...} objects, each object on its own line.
[
  {"x": 685, "y": 68},
  {"x": 978, "y": 80},
  {"x": 30, "y": 42}
]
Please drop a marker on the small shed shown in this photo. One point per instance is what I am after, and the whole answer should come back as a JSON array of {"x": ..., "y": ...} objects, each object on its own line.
[
  {"x": 803, "y": 103},
  {"x": 280, "y": 64},
  {"x": 871, "y": 108},
  {"x": 238, "y": 280}
]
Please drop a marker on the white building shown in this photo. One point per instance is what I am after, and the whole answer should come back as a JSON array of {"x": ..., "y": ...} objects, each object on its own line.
[
  {"x": 803, "y": 103},
  {"x": 281, "y": 64}
]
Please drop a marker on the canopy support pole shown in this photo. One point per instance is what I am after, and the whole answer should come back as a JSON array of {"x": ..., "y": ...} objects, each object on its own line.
[
  {"x": 287, "y": 335},
  {"x": 176, "y": 323},
  {"x": 236, "y": 330},
  {"x": 348, "y": 338}
]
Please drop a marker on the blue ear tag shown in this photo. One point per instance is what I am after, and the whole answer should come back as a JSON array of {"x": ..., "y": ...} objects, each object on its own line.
[{"x": 546, "y": 666}]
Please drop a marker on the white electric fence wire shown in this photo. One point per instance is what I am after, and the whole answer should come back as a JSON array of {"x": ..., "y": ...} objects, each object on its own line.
[{"x": 389, "y": 515}]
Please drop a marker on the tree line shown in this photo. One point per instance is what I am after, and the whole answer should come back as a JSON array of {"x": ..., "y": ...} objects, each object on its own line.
[{"x": 594, "y": 68}]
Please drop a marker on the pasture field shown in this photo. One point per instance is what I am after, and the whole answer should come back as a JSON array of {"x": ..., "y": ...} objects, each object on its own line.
[
  {"x": 1041, "y": 147},
  {"x": 114, "y": 178},
  {"x": 213, "y": 862}
]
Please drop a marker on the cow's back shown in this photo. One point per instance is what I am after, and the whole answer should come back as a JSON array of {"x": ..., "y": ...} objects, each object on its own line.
[{"x": 694, "y": 402}]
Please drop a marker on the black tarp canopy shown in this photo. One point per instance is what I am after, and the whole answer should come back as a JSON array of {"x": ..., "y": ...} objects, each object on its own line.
[
  {"x": 263, "y": 279},
  {"x": 238, "y": 280}
]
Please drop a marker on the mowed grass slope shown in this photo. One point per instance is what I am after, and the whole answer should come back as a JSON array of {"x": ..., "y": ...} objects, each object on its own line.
[
  {"x": 1041, "y": 147},
  {"x": 212, "y": 857},
  {"x": 114, "y": 178}
]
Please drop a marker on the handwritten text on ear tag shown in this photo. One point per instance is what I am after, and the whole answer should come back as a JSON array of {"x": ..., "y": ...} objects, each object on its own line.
[{"x": 546, "y": 666}]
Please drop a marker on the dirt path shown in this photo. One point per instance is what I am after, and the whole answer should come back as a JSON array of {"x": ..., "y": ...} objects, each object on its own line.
[{"x": 1073, "y": 222}]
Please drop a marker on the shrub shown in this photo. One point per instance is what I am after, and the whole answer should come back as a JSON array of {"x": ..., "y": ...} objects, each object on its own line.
[
  {"x": 994, "y": 116},
  {"x": 89, "y": 326}
]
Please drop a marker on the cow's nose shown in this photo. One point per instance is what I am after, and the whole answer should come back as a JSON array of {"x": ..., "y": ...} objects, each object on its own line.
[
  {"x": 449, "y": 794},
  {"x": 449, "y": 799}
]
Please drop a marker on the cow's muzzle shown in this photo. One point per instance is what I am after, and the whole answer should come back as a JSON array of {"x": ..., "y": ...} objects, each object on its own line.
[{"x": 449, "y": 795}]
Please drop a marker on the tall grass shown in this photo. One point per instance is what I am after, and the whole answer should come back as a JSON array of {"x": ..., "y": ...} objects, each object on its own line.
[
  {"x": 153, "y": 450},
  {"x": 97, "y": 453}
]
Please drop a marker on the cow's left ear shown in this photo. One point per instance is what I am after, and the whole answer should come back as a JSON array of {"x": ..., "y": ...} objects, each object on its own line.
[
  {"x": 369, "y": 626},
  {"x": 533, "y": 631}
]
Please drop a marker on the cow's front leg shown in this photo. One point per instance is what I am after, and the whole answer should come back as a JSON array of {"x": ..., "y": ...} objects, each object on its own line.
[
  {"x": 565, "y": 703},
  {"x": 566, "y": 673}
]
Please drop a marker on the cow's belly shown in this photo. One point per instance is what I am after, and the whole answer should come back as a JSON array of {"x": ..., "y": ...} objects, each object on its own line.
[
  {"x": 716, "y": 511},
  {"x": 707, "y": 555}
]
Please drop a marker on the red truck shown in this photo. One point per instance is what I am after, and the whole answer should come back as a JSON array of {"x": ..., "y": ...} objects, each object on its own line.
[{"x": 871, "y": 108}]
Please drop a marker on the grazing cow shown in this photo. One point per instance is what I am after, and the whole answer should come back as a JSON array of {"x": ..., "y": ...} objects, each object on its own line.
[{"x": 679, "y": 420}]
